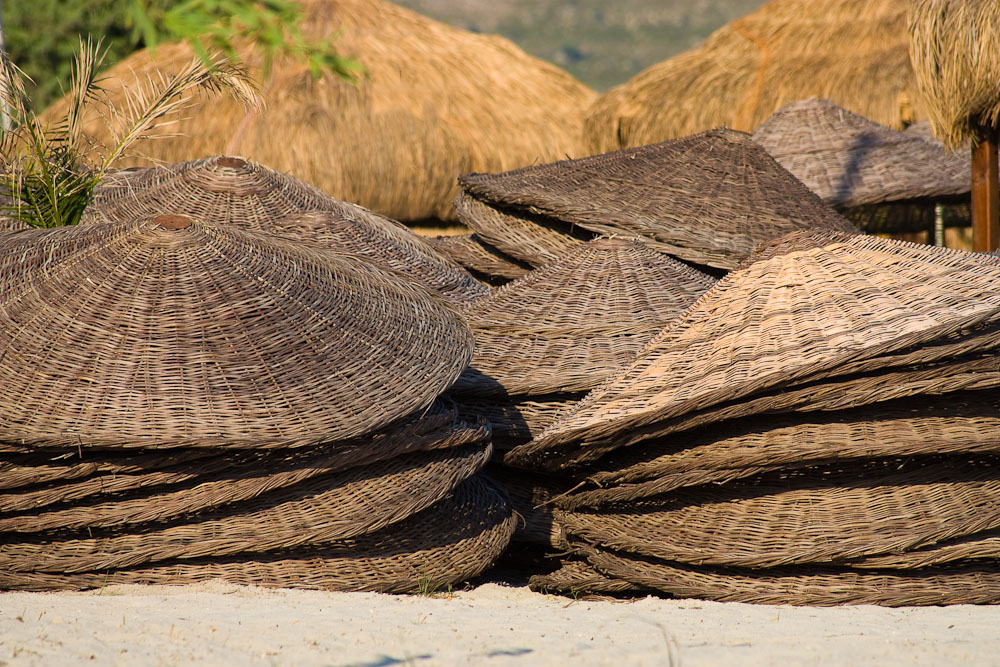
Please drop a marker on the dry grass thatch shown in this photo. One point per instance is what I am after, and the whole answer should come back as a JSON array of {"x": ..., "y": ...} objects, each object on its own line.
[
  {"x": 953, "y": 48},
  {"x": 435, "y": 102},
  {"x": 851, "y": 52}
]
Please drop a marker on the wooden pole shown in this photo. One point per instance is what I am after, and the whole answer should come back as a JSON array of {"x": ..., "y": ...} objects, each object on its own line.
[{"x": 985, "y": 198}]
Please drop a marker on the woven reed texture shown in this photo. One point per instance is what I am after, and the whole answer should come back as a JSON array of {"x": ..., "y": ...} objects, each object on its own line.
[
  {"x": 393, "y": 144},
  {"x": 949, "y": 424},
  {"x": 529, "y": 238},
  {"x": 8, "y": 224},
  {"x": 708, "y": 198},
  {"x": 567, "y": 326},
  {"x": 827, "y": 311},
  {"x": 979, "y": 546},
  {"x": 229, "y": 476},
  {"x": 849, "y": 160},
  {"x": 236, "y": 191},
  {"x": 516, "y": 423},
  {"x": 480, "y": 258},
  {"x": 25, "y": 470},
  {"x": 453, "y": 540},
  {"x": 959, "y": 375},
  {"x": 953, "y": 47},
  {"x": 813, "y": 516},
  {"x": 208, "y": 336},
  {"x": 576, "y": 577},
  {"x": 851, "y": 52},
  {"x": 244, "y": 481},
  {"x": 329, "y": 508},
  {"x": 969, "y": 584}
]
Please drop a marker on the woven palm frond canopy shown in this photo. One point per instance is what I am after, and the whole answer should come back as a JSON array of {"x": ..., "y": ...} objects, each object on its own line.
[
  {"x": 178, "y": 332},
  {"x": 851, "y": 52},
  {"x": 423, "y": 112},
  {"x": 568, "y": 325},
  {"x": 232, "y": 190},
  {"x": 856, "y": 165},
  {"x": 796, "y": 317},
  {"x": 709, "y": 198}
]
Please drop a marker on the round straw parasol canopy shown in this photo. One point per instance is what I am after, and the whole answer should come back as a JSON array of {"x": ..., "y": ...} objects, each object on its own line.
[
  {"x": 851, "y": 161},
  {"x": 707, "y": 199},
  {"x": 568, "y": 325},
  {"x": 803, "y": 315},
  {"x": 424, "y": 111},
  {"x": 176, "y": 332},
  {"x": 236, "y": 191},
  {"x": 851, "y": 52}
]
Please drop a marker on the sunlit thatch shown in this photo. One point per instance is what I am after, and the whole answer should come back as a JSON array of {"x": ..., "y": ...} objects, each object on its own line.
[
  {"x": 851, "y": 52},
  {"x": 955, "y": 50},
  {"x": 435, "y": 102}
]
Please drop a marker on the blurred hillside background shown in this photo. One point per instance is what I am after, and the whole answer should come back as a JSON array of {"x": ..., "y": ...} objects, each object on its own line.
[{"x": 601, "y": 43}]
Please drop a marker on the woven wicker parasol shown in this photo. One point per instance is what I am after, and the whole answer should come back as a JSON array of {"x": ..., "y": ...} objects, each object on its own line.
[
  {"x": 707, "y": 199},
  {"x": 252, "y": 197},
  {"x": 823, "y": 515},
  {"x": 963, "y": 584},
  {"x": 580, "y": 580},
  {"x": 320, "y": 510},
  {"x": 453, "y": 540},
  {"x": 514, "y": 423},
  {"x": 568, "y": 325},
  {"x": 173, "y": 332},
  {"x": 482, "y": 259},
  {"x": 846, "y": 307},
  {"x": 956, "y": 423},
  {"x": 883, "y": 180}
]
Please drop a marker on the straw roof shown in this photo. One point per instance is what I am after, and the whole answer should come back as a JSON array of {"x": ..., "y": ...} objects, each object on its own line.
[
  {"x": 568, "y": 325},
  {"x": 188, "y": 333},
  {"x": 708, "y": 198},
  {"x": 250, "y": 196},
  {"x": 851, "y": 52},
  {"x": 842, "y": 308},
  {"x": 850, "y": 161},
  {"x": 434, "y": 102},
  {"x": 953, "y": 48}
]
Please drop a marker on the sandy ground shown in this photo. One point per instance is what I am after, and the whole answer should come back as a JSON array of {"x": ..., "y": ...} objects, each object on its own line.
[{"x": 222, "y": 624}]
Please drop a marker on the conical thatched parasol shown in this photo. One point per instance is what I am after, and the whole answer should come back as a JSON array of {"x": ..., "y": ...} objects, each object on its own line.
[
  {"x": 173, "y": 332},
  {"x": 707, "y": 199},
  {"x": 954, "y": 46},
  {"x": 791, "y": 320},
  {"x": 434, "y": 102},
  {"x": 249, "y": 196},
  {"x": 852, "y": 52},
  {"x": 882, "y": 179},
  {"x": 568, "y": 325},
  {"x": 479, "y": 257}
]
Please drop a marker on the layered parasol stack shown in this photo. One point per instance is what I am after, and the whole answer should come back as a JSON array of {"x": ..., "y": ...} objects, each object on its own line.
[
  {"x": 708, "y": 199},
  {"x": 187, "y": 400},
  {"x": 544, "y": 340},
  {"x": 819, "y": 428}
]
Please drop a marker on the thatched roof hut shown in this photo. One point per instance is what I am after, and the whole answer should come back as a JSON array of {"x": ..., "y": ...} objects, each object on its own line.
[
  {"x": 852, "y": 52},
  {"x": 434, "y": 102}
]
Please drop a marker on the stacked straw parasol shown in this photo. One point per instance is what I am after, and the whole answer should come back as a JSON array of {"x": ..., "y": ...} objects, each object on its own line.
[
  {"x": 423, "y": 111},
  {"x": 221, "y": 403},
  {"x": 881, "y": 179},
  {"x": 854, "y": 53},
  {"x": 707, "y": 199},
  {"x": 545, "y": 339},
  {"x": 819, "y": 428}
]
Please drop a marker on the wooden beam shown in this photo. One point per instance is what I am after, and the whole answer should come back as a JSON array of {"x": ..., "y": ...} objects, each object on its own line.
[{"x": 985, "y": 197}]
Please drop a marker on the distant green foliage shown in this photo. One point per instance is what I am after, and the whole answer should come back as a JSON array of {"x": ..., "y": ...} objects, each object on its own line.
[{"x": 42, "y": 35}]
